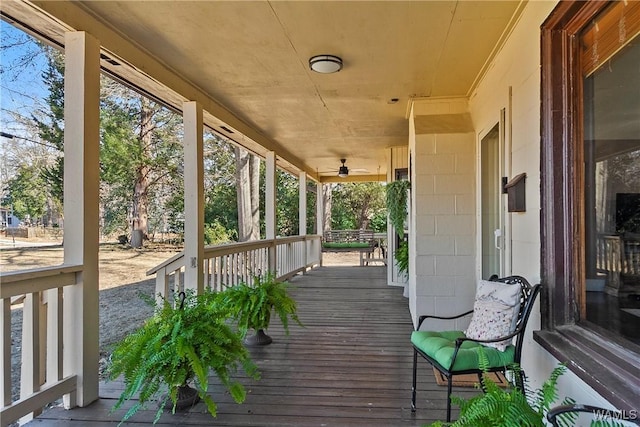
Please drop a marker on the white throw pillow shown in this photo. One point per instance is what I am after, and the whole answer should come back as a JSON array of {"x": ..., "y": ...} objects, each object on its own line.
[{"x": 495, "y": 312}]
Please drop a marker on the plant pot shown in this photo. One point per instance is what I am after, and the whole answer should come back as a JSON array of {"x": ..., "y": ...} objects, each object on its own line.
[
  {"x": 258, "y": 339},
  {"x": 187, "y": 397}
]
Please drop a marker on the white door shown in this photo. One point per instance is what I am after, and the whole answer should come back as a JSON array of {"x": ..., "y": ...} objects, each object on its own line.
[{"x": 491, "y": 204}]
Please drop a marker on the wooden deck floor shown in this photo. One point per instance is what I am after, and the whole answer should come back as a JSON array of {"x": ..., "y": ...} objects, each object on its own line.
[{"x": 349, "y": 366}]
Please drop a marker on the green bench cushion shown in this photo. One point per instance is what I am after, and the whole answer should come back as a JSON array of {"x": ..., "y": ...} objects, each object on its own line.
[
  {"x": 440, "y": 347},
  {"x": 345, "y": 245}
]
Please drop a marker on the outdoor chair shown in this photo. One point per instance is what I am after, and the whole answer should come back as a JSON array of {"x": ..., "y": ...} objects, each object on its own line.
[
  {"x": 500, "y": 314},
  {"x": 600, "y": 413}
]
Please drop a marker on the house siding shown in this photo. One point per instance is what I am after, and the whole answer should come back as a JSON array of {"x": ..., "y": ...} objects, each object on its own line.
[{"x": 516, "y": 70}]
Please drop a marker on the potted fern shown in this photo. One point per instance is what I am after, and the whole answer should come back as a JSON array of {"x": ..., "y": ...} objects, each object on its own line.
[
  {"x": 176, "y": 348},
  {"x": 396, "y": 198},
  {"x": 251, "y": 306},
  {"x": 508, "y": 407},
  {"x": 512, "y": 407}
]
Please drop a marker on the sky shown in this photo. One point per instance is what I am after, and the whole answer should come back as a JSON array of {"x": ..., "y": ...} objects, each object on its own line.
[
  {"x": 21, "y": 87},
  {"x": 22, "y": 91}
]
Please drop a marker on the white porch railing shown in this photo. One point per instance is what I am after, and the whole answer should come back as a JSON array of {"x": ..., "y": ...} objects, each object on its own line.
[
  {"x": 617, "y": 258},
  {"x": 230, "y": 264},
  {"x": 41, "y": 292}
]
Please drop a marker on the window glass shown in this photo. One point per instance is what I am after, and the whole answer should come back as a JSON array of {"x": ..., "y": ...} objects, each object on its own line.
[{"x": 612, "y": 191}]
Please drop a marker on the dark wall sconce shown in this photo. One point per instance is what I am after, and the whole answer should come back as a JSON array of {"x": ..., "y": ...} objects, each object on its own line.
[{"x": 515, "y": 190}]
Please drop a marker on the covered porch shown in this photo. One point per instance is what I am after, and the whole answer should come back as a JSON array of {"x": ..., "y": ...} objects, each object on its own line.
[
  {"x": 446, "y": 94},
  {"x": 349, "y": 365}
]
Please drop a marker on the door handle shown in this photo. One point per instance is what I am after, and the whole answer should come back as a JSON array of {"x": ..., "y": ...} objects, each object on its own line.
[{"x": 497, "y": 233}]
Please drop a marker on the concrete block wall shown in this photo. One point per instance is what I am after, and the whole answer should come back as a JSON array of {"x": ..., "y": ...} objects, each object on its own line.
[{"x": 442, "y": 251}]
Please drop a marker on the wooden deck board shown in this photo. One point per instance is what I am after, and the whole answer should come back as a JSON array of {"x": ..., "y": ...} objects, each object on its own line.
[{"x": 350, "y": 365}]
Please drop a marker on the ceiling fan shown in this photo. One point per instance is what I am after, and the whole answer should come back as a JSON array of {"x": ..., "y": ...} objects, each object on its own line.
[{"x": 343, "y": 170}]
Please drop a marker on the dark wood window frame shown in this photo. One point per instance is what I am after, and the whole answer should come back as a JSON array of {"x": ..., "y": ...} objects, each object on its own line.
[{"x": 608, "y": 364}]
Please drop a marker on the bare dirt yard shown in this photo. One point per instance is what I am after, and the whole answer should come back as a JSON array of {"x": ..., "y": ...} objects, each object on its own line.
[{"x": 122, "y": 278}]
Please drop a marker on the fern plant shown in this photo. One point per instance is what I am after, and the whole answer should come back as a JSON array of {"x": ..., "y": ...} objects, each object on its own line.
[
  {"x": 251, "y": 304},
  {"x": 396, "y": 192},
  {"x": 176, "y": 345},
  {"x": 499, "y": 407},
  {"x": 402, "y": 257}
]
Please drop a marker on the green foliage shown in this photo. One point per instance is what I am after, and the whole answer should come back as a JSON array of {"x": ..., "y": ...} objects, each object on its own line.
[
  {"x": 51, "y": 129},
  {"x": 176, "y": 345},
  {"x": 397, "y": 204},
  {"x": 215, "y": 234},
  {"x": 402, "y": 257},
  {"x": 500, "y": 407},
  {"x": 140, "y": 149},
  {"x": 220, "y": 187},
  {"x": 378, "y": 221},
  {"x": 251, "y": 304},
  {"x": 36, "y": 184},
  {"x": 26, "y": 193},
  {"x": 354, "y": 204},
  {"x": 287, "y": 204}
]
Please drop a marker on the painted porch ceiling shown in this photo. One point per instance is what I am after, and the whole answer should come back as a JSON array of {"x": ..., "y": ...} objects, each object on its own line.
[{"x": 252, "y": 57}]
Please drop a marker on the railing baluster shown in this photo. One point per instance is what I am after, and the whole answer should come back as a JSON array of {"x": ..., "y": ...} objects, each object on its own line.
[
  {"x": 54, "y": 335},
  {"x": 41, "y": 291},
  {"x": 30, "y": 368},
  {"x": 162, "y": 284},
  {"x": 5, "y": 354},
  {"x": 205, "y": 266},
  {"x": 234, "y": 268},
  {"x": 179, "y": 286},
  {"x": 218, "y": 273},
  {"x": 245, "y": 266},
  {"x": 226, "y": 270}
]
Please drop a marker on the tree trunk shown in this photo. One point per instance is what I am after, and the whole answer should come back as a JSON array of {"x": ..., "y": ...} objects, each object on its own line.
[
  {"x": 243, "y": 191},
  {"x": 254, "y": 178},
  {"x": 363, "y": 217},
  {"x": 326, "y": 203},
  {"x": 139, "y": 225}
]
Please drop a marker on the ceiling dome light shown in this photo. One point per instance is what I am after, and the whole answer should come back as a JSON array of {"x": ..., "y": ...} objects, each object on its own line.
[{"x": 325, "y": 64}]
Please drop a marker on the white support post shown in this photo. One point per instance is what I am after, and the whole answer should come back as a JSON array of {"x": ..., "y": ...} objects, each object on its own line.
[
  {"x": 302, "y": 215},
  {"x": 270, "y": 206},
  {"x": 193, "y": 197},
  {"x": 302, "y": 210},
  {"x": 319, "y": 215},
  {"x": 81, "y": 202},
  {"x": 319, "y": 209}
]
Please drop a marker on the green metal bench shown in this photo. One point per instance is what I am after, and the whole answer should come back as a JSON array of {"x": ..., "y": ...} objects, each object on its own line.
[{"x": 361, "y": 241}]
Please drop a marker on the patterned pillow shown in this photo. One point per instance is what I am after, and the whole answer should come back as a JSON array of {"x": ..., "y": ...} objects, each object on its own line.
[{"x": 495, "y": 312}]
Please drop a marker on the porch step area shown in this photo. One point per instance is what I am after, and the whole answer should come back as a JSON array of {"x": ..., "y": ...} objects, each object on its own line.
[{"x": 349, "y": 366}]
